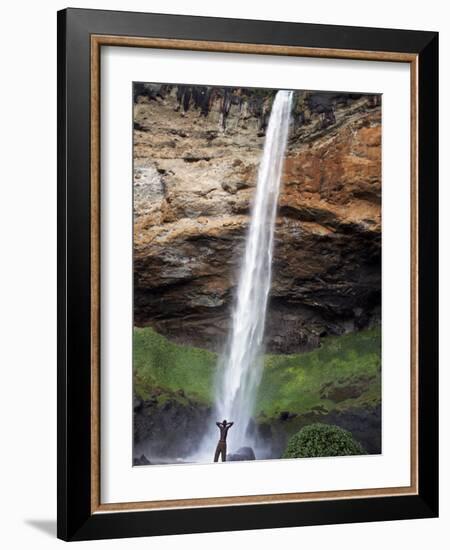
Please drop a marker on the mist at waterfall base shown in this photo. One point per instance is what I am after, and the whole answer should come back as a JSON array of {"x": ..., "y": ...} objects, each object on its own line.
[{"x": 240, "y": 366}]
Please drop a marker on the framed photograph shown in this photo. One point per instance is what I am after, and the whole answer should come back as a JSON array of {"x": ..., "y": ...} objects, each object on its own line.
[{"x": 247, "y": 274}]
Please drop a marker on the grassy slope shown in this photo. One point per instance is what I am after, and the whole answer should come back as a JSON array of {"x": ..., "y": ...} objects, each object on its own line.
[
  {"x": 291, "y": 383},
  {"x": 159, "y": 363},
  {"x": 294, "y": 383}
]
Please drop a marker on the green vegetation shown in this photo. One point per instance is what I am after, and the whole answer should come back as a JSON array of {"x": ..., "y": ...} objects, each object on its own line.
[
  {"x": 344, "y": 372},
  {"x": 322, "y": 440},
  {"x": 160, "y": 364},
  {"x": 345, "y": 368}
]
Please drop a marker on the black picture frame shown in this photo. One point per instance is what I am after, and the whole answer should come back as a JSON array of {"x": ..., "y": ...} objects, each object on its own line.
[{"x": 75, "y": 518}]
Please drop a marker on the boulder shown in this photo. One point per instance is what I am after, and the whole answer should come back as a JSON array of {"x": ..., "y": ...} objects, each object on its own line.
[
  {"x": 141, "y": 461},
  {"x": 243, "y": 453}
]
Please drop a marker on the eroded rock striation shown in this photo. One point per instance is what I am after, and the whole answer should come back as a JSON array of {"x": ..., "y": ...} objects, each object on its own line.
[{"x": 194, "y": 176}]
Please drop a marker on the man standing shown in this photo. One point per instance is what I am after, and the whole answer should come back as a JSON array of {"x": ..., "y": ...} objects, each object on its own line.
[{"x": 221, "y": 448}]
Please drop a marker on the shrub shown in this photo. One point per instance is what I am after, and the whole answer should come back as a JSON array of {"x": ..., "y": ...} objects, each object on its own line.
[{"x": 322, "y": 440}]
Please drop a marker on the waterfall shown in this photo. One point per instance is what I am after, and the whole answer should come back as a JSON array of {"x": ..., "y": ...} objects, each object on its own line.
[{"x": 240, "y": 367}]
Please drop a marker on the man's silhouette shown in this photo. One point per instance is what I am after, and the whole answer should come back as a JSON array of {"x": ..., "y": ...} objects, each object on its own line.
[{"x": 221, "y": 448}]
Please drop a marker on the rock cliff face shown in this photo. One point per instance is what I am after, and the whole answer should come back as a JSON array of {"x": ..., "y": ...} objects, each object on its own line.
[
  {"x": 193, "y": 185},
  {"x": 173, "y": 429}
]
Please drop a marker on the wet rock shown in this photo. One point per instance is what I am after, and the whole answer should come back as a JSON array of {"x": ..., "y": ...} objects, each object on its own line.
[
  {"x": 170, "y": 425},
  {"x": 286, "y": 415},
  {"x": 243, "y": 453},
  {"x": 141, "y": 461}
]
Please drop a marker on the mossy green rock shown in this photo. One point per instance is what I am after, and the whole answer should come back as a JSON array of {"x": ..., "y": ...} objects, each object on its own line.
[
  {"x": 345, "y": 371},
  {"x": 322, "y": 440}
]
